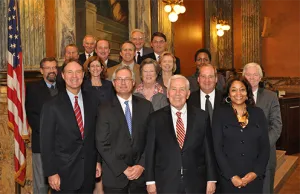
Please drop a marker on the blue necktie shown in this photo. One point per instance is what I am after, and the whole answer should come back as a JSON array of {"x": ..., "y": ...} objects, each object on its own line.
[{"x": 128, "y": 117}]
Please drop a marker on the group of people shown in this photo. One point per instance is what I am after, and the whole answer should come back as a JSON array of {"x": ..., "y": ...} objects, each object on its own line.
[{"x": 138, "y": 126}]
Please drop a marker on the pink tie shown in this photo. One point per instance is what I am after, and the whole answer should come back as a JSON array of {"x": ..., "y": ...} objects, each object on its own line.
[
  {"x": 78, "y": 116},
  {"x": 180, "y": 130}
]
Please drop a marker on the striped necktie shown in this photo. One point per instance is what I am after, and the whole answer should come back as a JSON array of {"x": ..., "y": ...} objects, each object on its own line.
[
  {"x": 78, "y": 116},
  {"x": 180, "y": 130},
  {"x": 128, "y": 117}
]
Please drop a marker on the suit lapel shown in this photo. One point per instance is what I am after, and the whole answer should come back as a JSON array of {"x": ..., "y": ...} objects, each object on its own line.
[
  {"x": 87, "y": 117},
  {"x": 190, "y": 126},
  {"x": 67, "y": 107},
  {"x": 169, "y": 124},
  {"x": 218, "y": 98},
  {"x": 260, "y": 95}
]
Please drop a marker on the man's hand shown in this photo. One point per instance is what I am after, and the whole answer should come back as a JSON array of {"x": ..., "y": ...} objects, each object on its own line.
[
  {"x": 54, "y": 182},
  {"x": 128, "y": 172},
  {"x": 137, "y": 171},
  {"x": 237, "y": 181},
  {"x": 248, "y": 178},
  {"x": 151, "y": 189},
  {"x": 210, "y": 187},
  {"x": 98, "y": 170}
]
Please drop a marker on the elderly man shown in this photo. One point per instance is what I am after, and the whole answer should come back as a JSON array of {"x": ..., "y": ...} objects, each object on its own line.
[
  {"x": 127, "y": 53},
  {"x": 203, "y": 56},
  {"x": 138, "y": 38},
  {"x": 121, "y": 136},
  {"x": 103, "y": 51},
  {"x": 37, "y": 93},
  {"x": 207, "y": 97},
  {"x": 159, "y": 45},
  {"x": 68, "y": 125},
  {"x": 179, "y": 151},
  {"x": 268, "y": 102},
  {"x": 89, "y": 43}
]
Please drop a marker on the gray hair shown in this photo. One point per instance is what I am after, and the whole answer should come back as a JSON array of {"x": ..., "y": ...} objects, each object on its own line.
[
  {"x": 177, "y": 76},
  {"x": 122, "y": 68},
  {"x": 137, "y": 30},
  {"x": 86, "y": 36},
  {"x": 252, "y": 64}
]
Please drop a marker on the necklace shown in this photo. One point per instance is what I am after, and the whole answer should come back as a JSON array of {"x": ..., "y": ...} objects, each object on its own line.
[{"x": 243, "y": 119}]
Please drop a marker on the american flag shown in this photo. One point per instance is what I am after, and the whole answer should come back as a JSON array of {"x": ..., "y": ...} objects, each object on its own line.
[{"x": 15, "y": 92}]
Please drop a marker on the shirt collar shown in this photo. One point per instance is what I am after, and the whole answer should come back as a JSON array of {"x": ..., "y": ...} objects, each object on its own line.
[
  {"x": 211, "y": 95},
  {"x": 122, "y": 100},
  {"x": 141, "y": 52},
  {"x": 72, "y": 96},
  {"x": 49, "y": 85},
  {"x": 175, "y": 110}
]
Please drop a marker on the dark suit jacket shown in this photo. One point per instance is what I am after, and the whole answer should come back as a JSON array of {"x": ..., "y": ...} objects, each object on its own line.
[
  {"x": 268, "y": 102},
  {"x": 63, "y": 150},
  {"x": 111, "y": 63},
  {"x": 195, "y": 99},
  {"x": 117, "y": 148},
  {"x": 37, "y": 93},
  {"x": 82, "y": 57},
  {"x": 147, "y": 50},
  {"x": 102, "y": 93},
  {"x": 240, "y": 150},
  {"x": 152, "y": 56},
  {"x": 165, "y": 159}
]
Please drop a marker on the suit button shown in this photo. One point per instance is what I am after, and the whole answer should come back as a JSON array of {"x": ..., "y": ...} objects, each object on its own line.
[
  {"x": 242, "y": 142},
  {"x": 242, "y": 154}
]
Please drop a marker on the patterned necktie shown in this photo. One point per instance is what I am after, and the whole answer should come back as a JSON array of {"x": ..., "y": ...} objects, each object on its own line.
[
  {"x": 78, "y": 116},
  {"x": 128, "y": 116},
  {"x": 139, "y": 58},
  {"x": 180, "y": 130},
  {"x": 208, "y": 107}
]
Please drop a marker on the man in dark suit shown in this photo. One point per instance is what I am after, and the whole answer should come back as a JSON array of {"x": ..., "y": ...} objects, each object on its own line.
[
  {"x": 268, "y": 102},
  {"x": 159, "y": 45},
  {"x": 202, "y": 57},
  {"x": 121, "y": 136},
  {"x": 179, "y": 151},
  {"x": 37, "y": 93},
  {"x": 138, "y": 38},
  {"x": 207, "y": 97},
  {"x": 89, "y": 44},
  {"x": 68, "y": 125},
  {"x": 103, "y": 51}
]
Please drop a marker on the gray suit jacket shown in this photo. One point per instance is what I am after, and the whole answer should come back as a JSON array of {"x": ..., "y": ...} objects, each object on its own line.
[
  {"x": 268, "y": 102},
  {"x": 159, "y": 100}
]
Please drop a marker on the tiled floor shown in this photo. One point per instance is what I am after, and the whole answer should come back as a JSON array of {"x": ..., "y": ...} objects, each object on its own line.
[{"x": 292, "y": 184}]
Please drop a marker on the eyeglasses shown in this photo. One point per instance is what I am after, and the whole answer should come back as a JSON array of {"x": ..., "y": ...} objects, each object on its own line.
[
  {"x": 50, "y": 68},
  {"x": 120, "y": 80},
  {"x": 159, "y": 42},
  {"x": 139, "y": 38}
]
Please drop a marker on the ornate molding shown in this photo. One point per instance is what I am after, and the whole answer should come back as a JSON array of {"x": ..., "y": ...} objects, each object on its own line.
[{"x": 289, "y": 84}]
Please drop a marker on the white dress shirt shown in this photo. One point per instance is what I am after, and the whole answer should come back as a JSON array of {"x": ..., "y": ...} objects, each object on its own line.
[
  {"x": 211, "y": 99},
  {"x": 123, "y": 105},
  {"x": 87, "y": 55},
  {"x": 80, "y": 102},
  {"x": 255, "y": 95},
  {"x": 157, "y": 57}
]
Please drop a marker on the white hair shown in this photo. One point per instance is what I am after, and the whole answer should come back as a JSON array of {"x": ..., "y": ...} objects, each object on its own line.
[
  {"x": 252, "y": 64},
  {"x": 187, "y": 84}
]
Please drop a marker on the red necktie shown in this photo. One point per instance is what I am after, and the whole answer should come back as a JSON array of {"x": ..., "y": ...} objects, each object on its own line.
[
  {"x": 78, "y": 116},
  {"x": 180, "y": 130}
]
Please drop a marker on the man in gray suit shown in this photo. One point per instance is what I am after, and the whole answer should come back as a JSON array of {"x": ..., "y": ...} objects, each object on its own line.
[
  {"x": 137, "y": 36},
  {"x": 268, "y": 102}
]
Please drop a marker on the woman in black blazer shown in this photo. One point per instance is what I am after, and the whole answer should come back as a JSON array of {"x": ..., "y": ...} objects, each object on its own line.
[
  {"x": 95, "y": 81},
  {"x": 241, "y": 143}
]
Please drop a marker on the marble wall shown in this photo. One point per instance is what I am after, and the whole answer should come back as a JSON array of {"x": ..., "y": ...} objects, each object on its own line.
[{"x": 65, "y": 26}]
